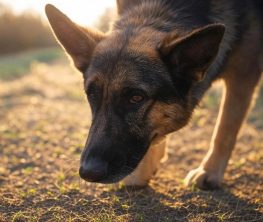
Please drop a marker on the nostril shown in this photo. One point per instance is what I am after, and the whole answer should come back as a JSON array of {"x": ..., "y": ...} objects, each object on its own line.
[{"x": 93, "y": 170}]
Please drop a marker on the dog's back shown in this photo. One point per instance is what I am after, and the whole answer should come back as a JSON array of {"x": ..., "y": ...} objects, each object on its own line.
[{"x": 241, "y": 18}]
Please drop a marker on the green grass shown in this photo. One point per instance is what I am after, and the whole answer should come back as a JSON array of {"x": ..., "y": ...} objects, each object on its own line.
[{"x": 16, "y": 65}]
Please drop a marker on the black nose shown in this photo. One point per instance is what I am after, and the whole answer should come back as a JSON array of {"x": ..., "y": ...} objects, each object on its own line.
[{"x": 93, "y": 170}]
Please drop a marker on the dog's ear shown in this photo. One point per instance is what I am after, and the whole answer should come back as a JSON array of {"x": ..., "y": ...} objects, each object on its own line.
[
  {"x": 124, "y": 5},
  {"x": 192, "y": 54},
  {"x": 78, "y": 42}
]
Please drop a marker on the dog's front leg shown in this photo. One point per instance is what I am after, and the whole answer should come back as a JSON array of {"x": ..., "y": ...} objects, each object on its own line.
[
  {"x": 148, "y": 165},
  {"x": 238, "y": 92}
]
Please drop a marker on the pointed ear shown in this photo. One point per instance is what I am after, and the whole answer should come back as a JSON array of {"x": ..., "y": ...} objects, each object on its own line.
[
  {"x": 192, "y": 54},
  {"x": 124, "y": 5},
  {"x": 78, "y": 42}
]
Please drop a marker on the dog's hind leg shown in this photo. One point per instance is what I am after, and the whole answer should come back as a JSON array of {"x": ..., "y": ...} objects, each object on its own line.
[
  {"x": 240, "y": 83},
  {"x": 148, "y": 166}
]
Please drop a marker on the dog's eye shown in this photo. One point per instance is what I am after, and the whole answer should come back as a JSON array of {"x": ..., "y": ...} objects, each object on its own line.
[
  {"x": 136, "y": 99},
  {"x": 93, "y": 92}
]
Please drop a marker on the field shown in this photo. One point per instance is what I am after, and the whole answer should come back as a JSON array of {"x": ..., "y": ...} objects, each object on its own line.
[{"x": 44, "y": 121}]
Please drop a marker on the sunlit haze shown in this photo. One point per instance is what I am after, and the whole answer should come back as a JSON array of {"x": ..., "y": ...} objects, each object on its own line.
[{"x": 80, "y": 11}]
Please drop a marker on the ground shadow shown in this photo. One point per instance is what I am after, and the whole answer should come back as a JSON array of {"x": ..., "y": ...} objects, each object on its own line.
[
  {"x": 146, "y": 205},
  {"x": 219, "y": 205}
]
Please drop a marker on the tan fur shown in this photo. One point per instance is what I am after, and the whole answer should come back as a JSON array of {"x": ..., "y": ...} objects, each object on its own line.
[
  {"x": 160, "y": 113},
  {"x": 144, "y": 38},
  {"x": 148, "y": 166},
  {"x": 241, "y": 74},
  {"x": 77, "y": 41},
  {"x": 165, "y": 113}
]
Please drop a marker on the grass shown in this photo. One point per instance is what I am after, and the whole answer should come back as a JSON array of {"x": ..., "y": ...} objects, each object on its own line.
[
  {"x": 44, "y": 121},
  {"x": 16, "y": 65}
]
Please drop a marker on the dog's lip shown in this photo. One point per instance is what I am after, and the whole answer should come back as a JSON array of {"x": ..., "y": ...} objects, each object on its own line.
[
  {"x": 111, "y": 179},
  {"x": 118, "y": 176}
]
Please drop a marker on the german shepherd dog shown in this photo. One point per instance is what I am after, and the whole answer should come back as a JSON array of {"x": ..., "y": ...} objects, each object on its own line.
[{"x": 145, "y": 77}]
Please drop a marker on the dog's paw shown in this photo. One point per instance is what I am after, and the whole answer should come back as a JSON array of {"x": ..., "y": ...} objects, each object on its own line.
[{"x": 203, "y": 179}]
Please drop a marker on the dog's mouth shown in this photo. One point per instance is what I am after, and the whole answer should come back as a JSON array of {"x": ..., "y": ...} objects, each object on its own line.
[
  {"x": 105, "y": 177},
  {"x": 111, "y": 168},
  {"x": 97, "y": 170}
]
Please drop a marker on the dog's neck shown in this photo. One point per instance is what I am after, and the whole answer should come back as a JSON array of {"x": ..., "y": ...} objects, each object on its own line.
[{"x": 164, "y": 15}]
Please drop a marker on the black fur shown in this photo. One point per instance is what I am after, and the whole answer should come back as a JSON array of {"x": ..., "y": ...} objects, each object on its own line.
[
  {"x": 120, "y": 131},
  {"x": 164, "y": 52}
]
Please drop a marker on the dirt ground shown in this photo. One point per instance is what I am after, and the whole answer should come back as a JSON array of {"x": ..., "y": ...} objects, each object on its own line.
[{"x": 44, "y": 121}]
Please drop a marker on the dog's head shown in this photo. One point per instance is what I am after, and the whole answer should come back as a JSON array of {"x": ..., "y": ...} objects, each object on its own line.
[{"x": 138, "y": 83}]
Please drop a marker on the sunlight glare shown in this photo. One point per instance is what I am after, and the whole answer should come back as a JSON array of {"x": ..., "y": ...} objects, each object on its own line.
[{"x": 80, "y": 11}]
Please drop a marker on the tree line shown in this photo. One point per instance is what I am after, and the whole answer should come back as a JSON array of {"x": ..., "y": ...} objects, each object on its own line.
[{"x": 24, "y": 31}]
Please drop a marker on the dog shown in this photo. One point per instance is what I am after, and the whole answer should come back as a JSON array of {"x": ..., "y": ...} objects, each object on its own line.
[{"x": 145, "y": 77}]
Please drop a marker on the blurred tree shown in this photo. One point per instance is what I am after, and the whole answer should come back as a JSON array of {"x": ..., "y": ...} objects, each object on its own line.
[
  {"x": 104, "y": 21},
  {"x": 21, "y": 32},
  {"x": 4, "y": 9}
]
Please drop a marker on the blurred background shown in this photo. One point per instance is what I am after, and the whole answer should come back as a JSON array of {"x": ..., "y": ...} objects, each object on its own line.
[
  {"x": 25, "y": 36},
  {"x": 44, "y": 122}
]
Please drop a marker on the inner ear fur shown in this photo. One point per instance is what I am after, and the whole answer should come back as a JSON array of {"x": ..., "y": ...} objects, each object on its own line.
[
  {"x": 79, "y": 42},
  {"x": 191, "y": 55}
]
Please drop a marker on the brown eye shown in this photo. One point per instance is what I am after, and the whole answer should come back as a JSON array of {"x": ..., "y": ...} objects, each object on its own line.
[{"x": 136, "y": 99}]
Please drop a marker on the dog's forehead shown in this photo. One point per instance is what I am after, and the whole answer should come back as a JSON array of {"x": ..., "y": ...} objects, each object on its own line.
[
  {"x": 125, "y": 60},
  {"x": 126, "y": 47},
  {"x": 118, "y": 64},
  {"x": 114, "y": 66}
]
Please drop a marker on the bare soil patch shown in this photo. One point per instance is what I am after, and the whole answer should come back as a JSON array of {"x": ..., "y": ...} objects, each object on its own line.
[{"x": 44, "y": 121}]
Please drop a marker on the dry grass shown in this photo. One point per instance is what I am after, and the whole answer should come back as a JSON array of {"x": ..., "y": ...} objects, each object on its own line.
[{"x": 44, "y": 121}]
